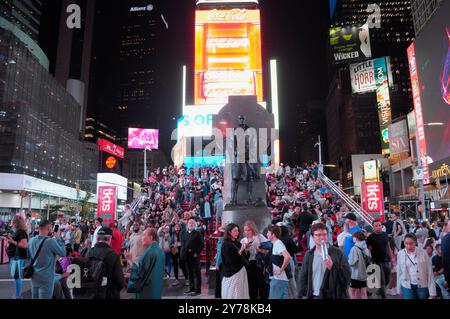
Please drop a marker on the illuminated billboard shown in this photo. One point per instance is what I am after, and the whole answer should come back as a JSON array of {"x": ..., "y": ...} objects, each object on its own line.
[
  {"x": 139, "y": 138},
  {"x": 383, "y": 101},
  {"x": 227, "y": 55},
  {"x": 429, "y": 59},
  {"x": 351, "y": 43},
  {"x": 362, "y": 75}
]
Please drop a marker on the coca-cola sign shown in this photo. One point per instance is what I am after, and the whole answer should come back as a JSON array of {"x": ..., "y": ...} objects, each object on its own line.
[
  {"x": 227, "y": 15},
  {"x": 107, "y": 203}
]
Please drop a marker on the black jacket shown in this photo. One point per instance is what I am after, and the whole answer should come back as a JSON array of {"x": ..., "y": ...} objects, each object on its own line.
[
  {"x": 192, "y": 245},
  {"x": 335, "y": 282},
  {"x": 305, "y": 220},
  {"x": 446, "y": 256},
  {"x": 116, "y": 282},
  {"x": 232, "y": 262}
]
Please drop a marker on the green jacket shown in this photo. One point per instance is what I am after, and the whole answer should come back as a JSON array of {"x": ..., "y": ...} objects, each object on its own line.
[{"x": 146, "y": 281}]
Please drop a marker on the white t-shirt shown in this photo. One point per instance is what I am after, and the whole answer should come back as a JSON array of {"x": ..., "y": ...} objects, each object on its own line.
[
  {"x": 256, "y": 242},
  {"x": 341, "y": 238},
  {"x": 278, "y": 249}
]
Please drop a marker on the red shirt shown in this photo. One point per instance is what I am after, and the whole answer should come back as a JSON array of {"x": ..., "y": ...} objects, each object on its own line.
[{"x": 116, "y": 243}]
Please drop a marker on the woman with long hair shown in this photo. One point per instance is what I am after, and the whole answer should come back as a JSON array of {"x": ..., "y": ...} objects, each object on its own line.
[
  {"x": 415, "y": 277},
  {"x": 235, "y": 281},
  {"x": 252, "y": 241},
  {"x": 17, "y": 252}
]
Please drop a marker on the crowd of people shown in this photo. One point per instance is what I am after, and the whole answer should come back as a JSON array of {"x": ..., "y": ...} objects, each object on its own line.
[{"x": 315, "y": 247}]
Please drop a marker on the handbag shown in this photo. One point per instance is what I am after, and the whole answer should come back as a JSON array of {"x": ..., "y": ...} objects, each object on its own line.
[
  {"x": 174, "y": 250},
  {"x": 28, "y": 270}
]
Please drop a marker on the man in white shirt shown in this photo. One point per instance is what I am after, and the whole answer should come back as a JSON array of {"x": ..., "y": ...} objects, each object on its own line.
[
  {"x": 280, "y": 259},
  {"x": 98, "y": 224}
]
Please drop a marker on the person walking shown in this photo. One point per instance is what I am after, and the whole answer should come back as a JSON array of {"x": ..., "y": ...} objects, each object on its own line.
[
  {"x": 17, "y": 253},
  {"x": 218, "y": 209},
  {"x": 146, "y": 278},
  {"x": 163, "y": 236},
  {"x": 325, "y": 272},
  {"x": 111, "y": 286},
  {"x": 176, "y": 239},
  {"x": 192, "y": 250},
  {"x": 378, "y": 243},
  {"x": 280, "y": 260},
  {"x": 438, "y": 270},
  {"x": 358, "y": 265},
  {"x": 445, "y": 246},
  {"x": 97, "y": 224},
  {"x": 235, "y": 280},
  {"x": 415, "y": 278},
  {"x": 351, "y": 222},
  {"x": 206, "y": 213},
  {"x": 44, "y": 251}
]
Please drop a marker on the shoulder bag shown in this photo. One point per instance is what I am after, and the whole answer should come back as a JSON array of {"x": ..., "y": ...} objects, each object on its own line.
[{"x": 28, "y": 270}]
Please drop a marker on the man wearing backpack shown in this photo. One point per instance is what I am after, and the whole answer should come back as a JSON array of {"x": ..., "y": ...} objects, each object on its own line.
[
  {"x": 102, "y": 258},
  {"x": 43, "y": 251}
]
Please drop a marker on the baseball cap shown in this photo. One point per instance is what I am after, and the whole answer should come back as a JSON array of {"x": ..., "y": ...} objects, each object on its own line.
[
  {"x": 105, "y": 231},
  {"x": 351, "y": 216}
]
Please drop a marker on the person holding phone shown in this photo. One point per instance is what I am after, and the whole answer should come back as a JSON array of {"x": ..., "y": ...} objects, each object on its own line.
[
  {"x": 235, "y": 280},
  {"x": 252, "y": 241},
  {"x": 325, "y": 272},
  {"x": 42, "y": 281}
]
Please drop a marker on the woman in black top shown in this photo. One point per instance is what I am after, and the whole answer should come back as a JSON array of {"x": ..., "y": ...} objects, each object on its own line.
[
  {"x": 17, "y": 252},
  {"x": 235, "y": 280}
]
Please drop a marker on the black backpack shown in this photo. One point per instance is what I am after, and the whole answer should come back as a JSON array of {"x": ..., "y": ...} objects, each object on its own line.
[
  {"x": 367, "y": 259},
  {"x": 93, "y": 274}
]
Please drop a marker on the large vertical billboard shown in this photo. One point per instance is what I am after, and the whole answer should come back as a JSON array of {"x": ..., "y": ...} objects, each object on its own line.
[
  {"x": 373, "y": 199},
  {"x": 429, "y": 59},
  {"x": 350, "y": 43},
  {"x": 383, "y": 102},
  {"x": 227, "y": 55},
  {"x": 107, "y": 203}
]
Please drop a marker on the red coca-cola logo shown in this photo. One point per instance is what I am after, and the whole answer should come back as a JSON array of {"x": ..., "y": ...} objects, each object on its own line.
[{"x": 231, "y": 15}]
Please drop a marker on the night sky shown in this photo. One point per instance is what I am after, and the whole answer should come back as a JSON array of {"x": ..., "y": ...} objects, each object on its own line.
[{"x": 293, "y": 31}]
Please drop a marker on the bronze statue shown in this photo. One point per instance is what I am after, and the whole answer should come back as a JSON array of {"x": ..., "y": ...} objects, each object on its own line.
[{"x": 248, "y": 170}]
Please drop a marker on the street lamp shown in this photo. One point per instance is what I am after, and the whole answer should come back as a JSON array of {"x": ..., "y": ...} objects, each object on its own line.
[
  {"x": 145, "y": 161},
  {"x": 319, "y": 145}
]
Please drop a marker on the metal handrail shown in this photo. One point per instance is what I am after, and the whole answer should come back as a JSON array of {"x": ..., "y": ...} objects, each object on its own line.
[{"x": 347, "y": 199}]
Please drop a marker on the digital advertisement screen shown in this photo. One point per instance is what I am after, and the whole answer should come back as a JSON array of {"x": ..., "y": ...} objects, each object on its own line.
[
  {"x": 227, "y": 55},
  {"x": 432, "y": 52},
  {"x": 139, "y": 138}
]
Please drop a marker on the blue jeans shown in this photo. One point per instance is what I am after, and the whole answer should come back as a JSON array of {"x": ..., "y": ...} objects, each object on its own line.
[
  {"x": 15, "y": 266},
  {"x": 440, "y": 281},
  {"x": 168, "y": 262},
  {"x": 415, "y": 292},
  {"x": 42, "y": 292},
  {"x": 278, "y": 289}
]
